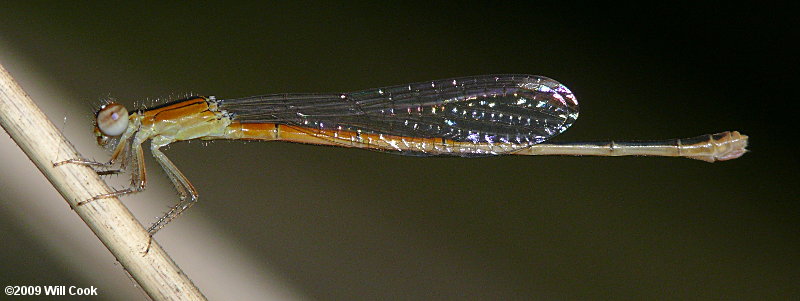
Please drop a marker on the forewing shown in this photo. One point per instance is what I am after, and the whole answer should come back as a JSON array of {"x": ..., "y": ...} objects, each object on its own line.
[{"x": 509, "y": 111}]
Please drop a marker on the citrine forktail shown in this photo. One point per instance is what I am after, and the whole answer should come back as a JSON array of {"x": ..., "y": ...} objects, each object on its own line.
[{"x": 469, "y": 117}]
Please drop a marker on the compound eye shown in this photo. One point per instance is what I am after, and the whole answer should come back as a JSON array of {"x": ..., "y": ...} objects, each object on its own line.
[{"x": 112, "y": 120}]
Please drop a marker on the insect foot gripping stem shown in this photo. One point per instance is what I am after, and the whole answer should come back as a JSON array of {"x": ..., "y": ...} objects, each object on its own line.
[{"x": 717, "y": 147}]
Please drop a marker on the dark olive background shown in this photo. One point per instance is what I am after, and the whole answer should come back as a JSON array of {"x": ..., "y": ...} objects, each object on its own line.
[{"x": 352, "y": 224}]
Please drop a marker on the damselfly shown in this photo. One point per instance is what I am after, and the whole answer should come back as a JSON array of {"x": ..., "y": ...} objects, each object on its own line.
[{"x": 468, "y": 117}]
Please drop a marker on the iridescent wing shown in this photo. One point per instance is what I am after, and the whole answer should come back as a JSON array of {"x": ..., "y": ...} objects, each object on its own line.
[{"x": 506, "y": 112}]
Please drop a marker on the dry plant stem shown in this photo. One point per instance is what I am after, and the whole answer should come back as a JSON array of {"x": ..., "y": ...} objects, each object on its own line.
[{"x": 119, "y": 231}]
